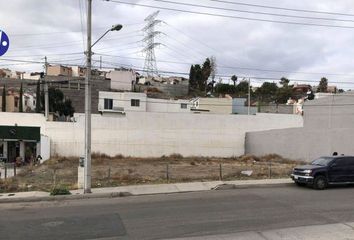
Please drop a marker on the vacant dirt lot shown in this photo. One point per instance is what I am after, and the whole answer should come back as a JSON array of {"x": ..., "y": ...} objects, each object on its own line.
[{"x": 119, "y": 170}]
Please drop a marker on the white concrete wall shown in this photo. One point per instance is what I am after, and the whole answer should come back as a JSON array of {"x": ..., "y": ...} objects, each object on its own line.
[{"x": 146, "y": 134}]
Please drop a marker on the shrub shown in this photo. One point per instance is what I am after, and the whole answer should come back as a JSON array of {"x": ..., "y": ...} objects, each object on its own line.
[{"x": 59, "y": 190}]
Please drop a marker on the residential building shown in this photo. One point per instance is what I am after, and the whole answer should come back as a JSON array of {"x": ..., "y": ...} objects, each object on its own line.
[
  {"x": 168, "y": 105},
  {"x": 122, "y": 79},
  {"x": 59, "y": 70},
  {"x": 32, "y": 76},
  {"x": 78, "y": 71},
  {"x": 121, "y": 102},
  {"x": 5, "y": 73},
  {"x": 301, "y": 90},
  {"x": 19, "y": 142},
  {"x": 213, "y": 105},
  {"x": 13, "y": 101},
  {"x": 330, "y": 89}
]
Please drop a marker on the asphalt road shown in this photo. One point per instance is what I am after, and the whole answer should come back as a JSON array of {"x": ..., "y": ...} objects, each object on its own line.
[{"x": 177, "y": 215}]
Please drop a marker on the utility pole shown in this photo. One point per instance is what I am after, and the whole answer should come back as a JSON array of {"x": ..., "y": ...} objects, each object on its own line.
[
  {"x": 249, "y": 96},
  {"x": 87, "y": 167},
  {"x": 46, "y": 97}
]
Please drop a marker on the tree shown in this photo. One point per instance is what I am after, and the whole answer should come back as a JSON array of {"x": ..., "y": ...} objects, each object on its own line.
[
  {"x": 242, "y": 88},
  {"x": 322, "y": 87},
  {"x": 285, "y": 92},
  {"x": 223, "y": 88},
  {"x": 3, "y": 102},
  {"x": 38, "y": 97},
  {"x": 206, "y": 71},
  {"x": 284, "y": 81},
  {"x": 57, "y": 103},
  {"x": 267, "y": 92},
  {"x": 234, "y": 79},
  {"x": 340, "y": 90},
  {"x": 192, "y": 79},
  {"x": 198, "y": 75},
  {"x": 20, "y": 109}
]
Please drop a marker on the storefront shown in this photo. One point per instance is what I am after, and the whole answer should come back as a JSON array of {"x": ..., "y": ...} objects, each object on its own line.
[{"x": 19, "y": 143}]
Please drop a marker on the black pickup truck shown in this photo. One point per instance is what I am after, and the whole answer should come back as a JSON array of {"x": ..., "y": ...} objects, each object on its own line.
[{"x": 325, "y": 171}]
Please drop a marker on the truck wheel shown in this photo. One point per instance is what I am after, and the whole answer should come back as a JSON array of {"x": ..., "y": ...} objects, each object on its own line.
[{"x": 320, "y": 182}]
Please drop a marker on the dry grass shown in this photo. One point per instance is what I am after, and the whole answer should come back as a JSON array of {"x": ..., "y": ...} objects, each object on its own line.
[{"x": 116, "y": 171}]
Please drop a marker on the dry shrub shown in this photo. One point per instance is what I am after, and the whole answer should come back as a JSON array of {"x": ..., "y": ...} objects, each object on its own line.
[
  {"x": 8, "y": 185},
  {"x": 248, "y": 158},
  {"x": 153, "y": 90},
  {"x": 100, "y": 155},
  {"x": 118, "y": 156},
  {"x": 176, "y": 156}
]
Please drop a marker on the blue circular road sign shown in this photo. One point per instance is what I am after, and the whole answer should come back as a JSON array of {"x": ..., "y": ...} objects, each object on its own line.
[{"x": 4, "y": 43}]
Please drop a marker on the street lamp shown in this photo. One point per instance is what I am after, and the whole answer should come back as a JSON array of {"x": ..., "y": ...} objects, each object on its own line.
[
  {"x": 116, "y": 27},
  {"x": 87, "y": 167}
]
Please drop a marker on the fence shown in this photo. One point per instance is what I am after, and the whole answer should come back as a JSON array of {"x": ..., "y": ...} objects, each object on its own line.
[
  {"x": 161, "y": 172},
  {"x": 8, "y": 170}
]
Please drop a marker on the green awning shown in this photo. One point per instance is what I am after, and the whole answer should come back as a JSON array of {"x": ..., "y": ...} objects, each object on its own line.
[{"x": 20, "y": 133}]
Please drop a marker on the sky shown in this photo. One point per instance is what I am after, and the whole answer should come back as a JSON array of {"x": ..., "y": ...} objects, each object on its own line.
[{"x": 241, "y": 47}]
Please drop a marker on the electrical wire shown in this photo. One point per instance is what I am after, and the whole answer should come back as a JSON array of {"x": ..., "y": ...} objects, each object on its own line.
[
  {"x": 283, "y": 8},
  {"x": 253, "y": 12},
  {"x": 230, "y": 16}
]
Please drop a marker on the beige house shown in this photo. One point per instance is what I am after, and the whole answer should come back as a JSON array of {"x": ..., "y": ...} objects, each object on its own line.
[
  {"x": 13, "y": 101},
  {"x": 213, "y": 105},
  {"x": 59, "y": 70},
  {"x": 5, "y": 73}
]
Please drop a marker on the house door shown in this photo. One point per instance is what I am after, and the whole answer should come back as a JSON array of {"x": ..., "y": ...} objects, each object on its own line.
[{"x": 13, "y": 150}]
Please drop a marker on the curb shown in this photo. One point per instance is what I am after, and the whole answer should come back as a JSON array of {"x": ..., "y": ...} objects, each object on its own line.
[
  {"x": 225, "y": 186},
  {"x": 66, "y": 197}
]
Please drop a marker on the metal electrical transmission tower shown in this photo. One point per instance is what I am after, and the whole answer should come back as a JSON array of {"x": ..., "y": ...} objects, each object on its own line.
[{"x": 150, "y": 66}]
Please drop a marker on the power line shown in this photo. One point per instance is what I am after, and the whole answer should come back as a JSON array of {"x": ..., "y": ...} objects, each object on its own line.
[
  {"x": 283, "y": 8},
  {"x": 183, "y": 73},
  {"x": 233, "y": 67},
  {"x": 230, "y": 16},
  {"x": 254, "y": 12},
  {"x": 223, "y": 75}
]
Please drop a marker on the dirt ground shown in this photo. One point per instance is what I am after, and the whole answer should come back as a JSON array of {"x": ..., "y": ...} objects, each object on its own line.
[{"x": 117, "y": 171}]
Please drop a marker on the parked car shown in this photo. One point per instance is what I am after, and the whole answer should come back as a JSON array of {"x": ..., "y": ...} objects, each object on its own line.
[{"x": 325, "y": 171}]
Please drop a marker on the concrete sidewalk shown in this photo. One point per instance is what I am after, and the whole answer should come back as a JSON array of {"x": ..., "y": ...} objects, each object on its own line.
[
  {"x": 143, "y": 190},
  {"x": 338, "y": 231}
]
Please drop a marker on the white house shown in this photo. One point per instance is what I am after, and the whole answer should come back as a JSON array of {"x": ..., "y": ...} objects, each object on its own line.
[
  {"x": 121, "y": 102},
  {"x": 121, "y": 79},
  {"x": 32, "y": 76},
  {"x": 168, "y": 105}
]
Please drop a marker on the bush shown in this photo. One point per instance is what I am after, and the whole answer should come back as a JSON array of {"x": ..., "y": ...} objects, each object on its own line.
[{"x": 59, "y": 190}]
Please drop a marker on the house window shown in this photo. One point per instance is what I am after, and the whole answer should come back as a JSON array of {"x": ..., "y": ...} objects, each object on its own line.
[
  {"x": 108, "y": 103},
  {"x": 135, "y": 102},
  {"x": 184, "y": 105}
]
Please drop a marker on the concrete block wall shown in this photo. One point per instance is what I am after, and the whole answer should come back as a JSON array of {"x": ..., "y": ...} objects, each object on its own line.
[
  {"x": 328, "y": 127},
  {"x": 144, "y": 134}
]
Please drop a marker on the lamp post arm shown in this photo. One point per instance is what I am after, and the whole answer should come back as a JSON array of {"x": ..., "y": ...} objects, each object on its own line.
[{"x": 100, "y": 38}]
